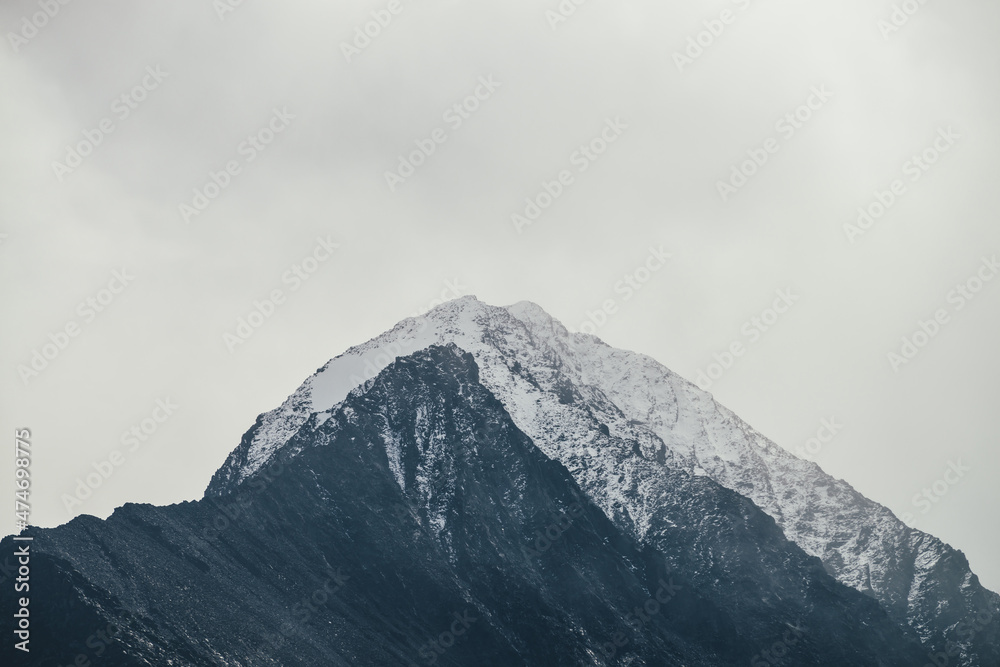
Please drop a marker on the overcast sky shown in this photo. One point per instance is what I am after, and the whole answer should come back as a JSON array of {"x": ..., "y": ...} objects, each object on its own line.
[{"x": 115, "y": 114}]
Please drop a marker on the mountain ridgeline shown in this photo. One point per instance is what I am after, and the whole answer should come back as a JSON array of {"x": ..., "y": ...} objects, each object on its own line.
[{"x": 480, "y": 487}]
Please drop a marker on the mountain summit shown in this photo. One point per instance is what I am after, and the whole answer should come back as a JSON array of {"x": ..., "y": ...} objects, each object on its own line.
[
  {"x": 478, "y": 486},
  {"x": 617, "y": 420}
]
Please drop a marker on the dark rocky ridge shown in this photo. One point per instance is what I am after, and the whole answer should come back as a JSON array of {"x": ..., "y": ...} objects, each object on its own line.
[{"x": 419, "y": 499}]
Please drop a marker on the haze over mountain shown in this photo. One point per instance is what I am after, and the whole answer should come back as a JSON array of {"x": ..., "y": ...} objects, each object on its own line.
[{"x": 584, "y": 505}]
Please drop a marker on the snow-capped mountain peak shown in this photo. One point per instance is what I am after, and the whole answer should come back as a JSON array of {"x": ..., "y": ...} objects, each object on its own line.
[{"x": 616, "y": 419}]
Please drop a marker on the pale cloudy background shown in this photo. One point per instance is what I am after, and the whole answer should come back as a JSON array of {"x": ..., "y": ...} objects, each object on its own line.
[{"x": 162, "y": 337}]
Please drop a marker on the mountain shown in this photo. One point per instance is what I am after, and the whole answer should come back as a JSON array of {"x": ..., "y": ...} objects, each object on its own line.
[
  {"x": 558, "y": 386},
  {"x": 480, "y": 487}
]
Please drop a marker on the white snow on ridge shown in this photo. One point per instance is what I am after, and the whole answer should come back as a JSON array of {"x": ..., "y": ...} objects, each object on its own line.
[{"x": 331, "y": 384}]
